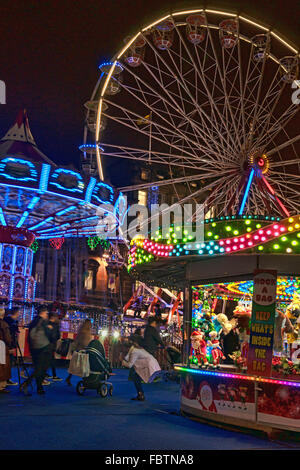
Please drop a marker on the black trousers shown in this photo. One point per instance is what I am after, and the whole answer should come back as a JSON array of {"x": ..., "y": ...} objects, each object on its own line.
[
  {"x": 53, "y": 363},
  {"x": 136, "y": 380},
  {"x": 41, "y": 359}
]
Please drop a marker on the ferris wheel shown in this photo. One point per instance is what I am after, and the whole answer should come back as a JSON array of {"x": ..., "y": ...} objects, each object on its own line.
[{"x": 209, "y": 96}]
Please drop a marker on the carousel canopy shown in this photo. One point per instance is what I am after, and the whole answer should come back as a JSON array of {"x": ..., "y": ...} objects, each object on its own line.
[{"x": 39, "y": 197}]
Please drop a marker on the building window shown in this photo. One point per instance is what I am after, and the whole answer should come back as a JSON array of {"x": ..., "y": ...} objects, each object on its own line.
[
  {"x": 142, "y": 198},
  {"x": 88, "y": 284},
  {"x": 145, "y": 174}
]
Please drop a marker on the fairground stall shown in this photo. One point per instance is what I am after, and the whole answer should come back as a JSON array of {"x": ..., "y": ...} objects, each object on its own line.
[
  {"x": 241, "y": 363},
  {"x": 210, "y": 96}
]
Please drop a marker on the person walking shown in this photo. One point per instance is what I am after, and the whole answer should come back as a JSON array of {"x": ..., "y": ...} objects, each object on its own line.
[
  {"x": 152, "y": 339},
  {"x": 40, "y": 337},
  {"x": 55, "y": 336},
  {"x": 5, "y": 344},
  {"x": 11, "y": 318},
  {"x": 82, "y": 340},
  {"x": 143, "y": 366}
]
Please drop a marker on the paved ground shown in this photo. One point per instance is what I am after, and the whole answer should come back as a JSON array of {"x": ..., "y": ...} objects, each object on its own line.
[{"x": 63, "y": 420}]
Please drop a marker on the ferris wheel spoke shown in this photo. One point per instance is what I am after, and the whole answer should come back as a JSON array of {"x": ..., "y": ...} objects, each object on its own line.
[
  {"x": 132, "y": 117},
  {"x": 291, "y": 202},
  {"x": 184, "y": 179},
  {"x": 278, "y": 125},
  {"x": 222, "y": 80},
  {"x": 173, "y": 103},
  {"x": 292, "y": 177},
  {"x": 254, "y": 114},
  {"x": 203, "y": 116},
  {"x": 281, "y": 147},
  {"x": 269, "y": 103},
  {"x": 159, "y": 157},
  {"x": 226, "y": 61},
  {"x": 197, "y": 68}
]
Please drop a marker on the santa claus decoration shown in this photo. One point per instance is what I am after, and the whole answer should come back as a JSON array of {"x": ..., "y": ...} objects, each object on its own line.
[
  {"x": 216, "y": 351},
  {"x": 198, "y": 348}
]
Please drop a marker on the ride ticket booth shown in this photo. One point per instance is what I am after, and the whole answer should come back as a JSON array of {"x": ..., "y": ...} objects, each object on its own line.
[{"x": 241, "y": 360}]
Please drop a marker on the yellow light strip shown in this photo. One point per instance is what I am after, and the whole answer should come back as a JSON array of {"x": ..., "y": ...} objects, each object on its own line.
[
  {"x": 99, "y": 111},
  {"x": 108, "y": 78},
  {"x": 99, "y": 163},
  {"x": 284, "y": 42},
  {"x": 98, "y": 122},
  {"x": 188, "y": 12},
  {"x": 128, "y": 45},
  {"x": 220, "y": 12},
  {"x": 155, "y": 23},
  {"x": 253, "y": 22}
]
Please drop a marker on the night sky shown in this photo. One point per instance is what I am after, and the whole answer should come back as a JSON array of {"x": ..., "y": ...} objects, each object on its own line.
[{"x": 50, "y": 52}]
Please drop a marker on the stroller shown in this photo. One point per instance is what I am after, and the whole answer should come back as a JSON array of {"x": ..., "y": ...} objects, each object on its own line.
[
  {"x": 100, "y": 371},
  {"x": 173, "y": 357}
]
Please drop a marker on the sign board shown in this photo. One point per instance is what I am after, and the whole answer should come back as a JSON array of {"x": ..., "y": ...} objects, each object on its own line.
[{"x": 262, "y": 323}]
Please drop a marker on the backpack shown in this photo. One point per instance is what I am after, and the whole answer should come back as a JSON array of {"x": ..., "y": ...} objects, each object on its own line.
[
  {"x": 63, "y": 347},
  {"x": 37, "y": 337}
]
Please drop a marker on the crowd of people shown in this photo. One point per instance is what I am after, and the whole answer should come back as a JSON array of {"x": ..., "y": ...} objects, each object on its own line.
[{"x": 43, "y": 334}]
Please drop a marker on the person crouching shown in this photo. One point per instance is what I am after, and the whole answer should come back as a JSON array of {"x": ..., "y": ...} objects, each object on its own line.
[{"x": 142, "y": 365}]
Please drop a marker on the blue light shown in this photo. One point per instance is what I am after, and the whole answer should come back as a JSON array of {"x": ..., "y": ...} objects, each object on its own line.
[
  {"x": 33, "y": 202},
  {"x": 63, "y": 171},
  {"x": 41, "y": 223},
  {"x": 90, "y": 189},
  {"x": 246, "y": 192},
  {"x": 64, "y": 211},
  {"x": 4, "y": 171},
  {"x": 2, "y": 218},
  {"x": 12, "y": 279},
  {"x": 44, "y": 177},
  {"x": 22, "y": 219},
  {"x": 104, "y": 64},
  {"x": 99, "y": 198}
]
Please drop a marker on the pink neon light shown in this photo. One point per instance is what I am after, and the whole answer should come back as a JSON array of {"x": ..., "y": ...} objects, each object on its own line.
[{"x": 273, "y": 193}]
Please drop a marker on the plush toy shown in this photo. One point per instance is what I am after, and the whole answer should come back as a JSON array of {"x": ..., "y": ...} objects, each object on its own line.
[
  {"x": 216, "y": 351},
  {"x": 198, "y": 347},
  {"x": 222, "y": 324},
  {"x": 206, "y": 325},
  {"x": 293, "y": 314},
  {"x": 242, "y": 315}
]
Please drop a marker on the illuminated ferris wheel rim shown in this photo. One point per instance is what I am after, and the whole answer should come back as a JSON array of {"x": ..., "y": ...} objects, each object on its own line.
[
  {"x": 184, "y": 12},
  {"x": 115, "y": 66}
]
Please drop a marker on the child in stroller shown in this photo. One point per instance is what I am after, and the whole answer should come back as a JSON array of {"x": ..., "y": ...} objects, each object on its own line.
[{"x": 100, "y": 371}]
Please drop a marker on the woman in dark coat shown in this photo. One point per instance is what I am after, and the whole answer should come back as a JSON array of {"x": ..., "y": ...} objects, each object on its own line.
[{"x": 5, "y": 342}]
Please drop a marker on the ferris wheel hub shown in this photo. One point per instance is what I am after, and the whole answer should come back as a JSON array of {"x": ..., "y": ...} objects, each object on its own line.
[{"x": 259, "y": 162}]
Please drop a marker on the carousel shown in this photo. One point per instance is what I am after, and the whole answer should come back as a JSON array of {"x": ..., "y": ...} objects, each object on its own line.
[
  {"x": 209, "y": 95},
  {"x": 45, "y": 209}
]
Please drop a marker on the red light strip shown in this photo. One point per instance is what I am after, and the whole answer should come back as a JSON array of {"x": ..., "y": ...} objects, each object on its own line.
[{"x": 271, "y": 190}]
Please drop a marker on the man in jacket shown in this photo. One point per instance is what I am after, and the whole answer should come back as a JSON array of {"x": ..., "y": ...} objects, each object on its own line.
[
  {"x": 55, "y": 336},
  {"x": 40, "y": 337},
  {"x": 5, "y": 344},
  {"x": 11, "y": 319},
  {"x": 152, "y": 337}
]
